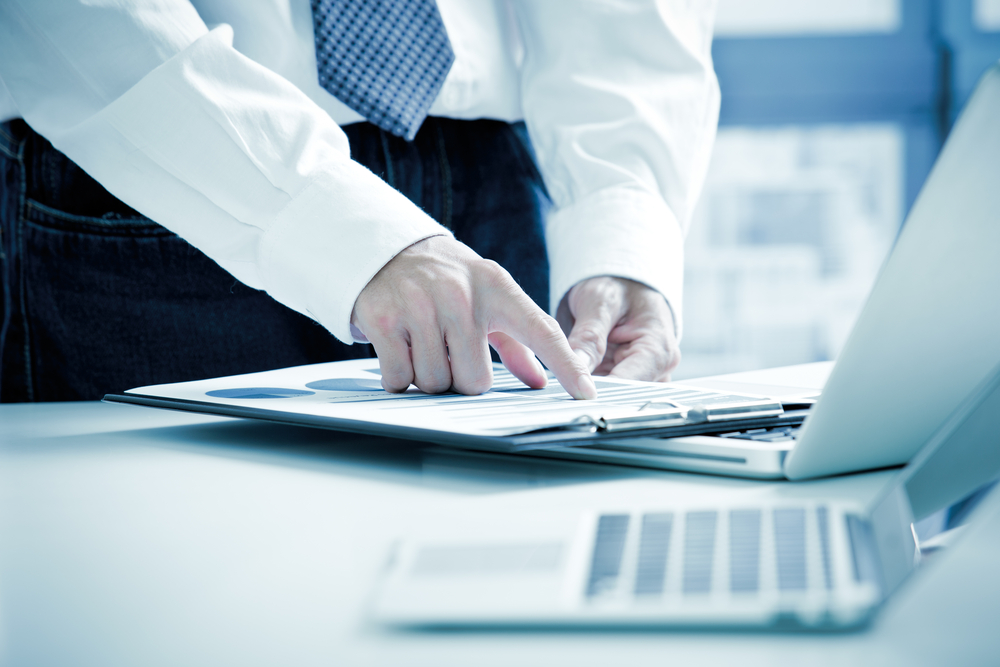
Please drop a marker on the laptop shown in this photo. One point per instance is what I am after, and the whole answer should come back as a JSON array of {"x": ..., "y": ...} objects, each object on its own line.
[
  {"x": 927, "y": 334},
  {"x": 820, "y": 563}
]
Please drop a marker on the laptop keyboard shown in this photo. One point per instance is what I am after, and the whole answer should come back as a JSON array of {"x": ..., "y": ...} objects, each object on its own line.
[
  {"x": 777, "y": 434},
  {"x": 699, "y": 553}
]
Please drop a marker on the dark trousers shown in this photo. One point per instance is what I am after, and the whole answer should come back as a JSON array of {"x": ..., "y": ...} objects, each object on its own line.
[{"x": 97, "y": 298}]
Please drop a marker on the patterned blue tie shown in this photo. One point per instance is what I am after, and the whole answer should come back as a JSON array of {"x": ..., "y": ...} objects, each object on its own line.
[{"x": 386, "y": 59}]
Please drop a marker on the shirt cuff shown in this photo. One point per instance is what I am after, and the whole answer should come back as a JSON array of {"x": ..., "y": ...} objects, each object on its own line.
[
  {"x": 332, "y": 238},
  {"x": 626, "y": 232}
]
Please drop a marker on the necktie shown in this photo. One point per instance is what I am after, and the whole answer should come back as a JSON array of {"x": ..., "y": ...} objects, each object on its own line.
[{"x": 386, "y": 59}]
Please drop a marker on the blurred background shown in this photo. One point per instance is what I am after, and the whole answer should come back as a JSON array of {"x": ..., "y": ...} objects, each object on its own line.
[{"x": 832, "y": 116}]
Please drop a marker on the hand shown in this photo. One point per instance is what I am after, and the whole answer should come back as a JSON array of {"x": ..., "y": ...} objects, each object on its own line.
[
  {"x": 435, "y": 308},
  {"x": 621, "y": 328}
]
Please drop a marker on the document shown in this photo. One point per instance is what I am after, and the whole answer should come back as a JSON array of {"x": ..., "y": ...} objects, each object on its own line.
[{"x": 349, "y": 395}]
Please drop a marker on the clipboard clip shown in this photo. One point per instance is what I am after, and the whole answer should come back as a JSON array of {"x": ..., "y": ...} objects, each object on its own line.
[{"x": 661, "y": 414}]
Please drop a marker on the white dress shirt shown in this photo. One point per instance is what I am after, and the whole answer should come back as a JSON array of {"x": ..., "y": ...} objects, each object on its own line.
[{"x": 207, "y": 116}]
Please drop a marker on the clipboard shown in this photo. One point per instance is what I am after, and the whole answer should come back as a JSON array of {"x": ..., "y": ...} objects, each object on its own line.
[{"x": 347, "y": 396}]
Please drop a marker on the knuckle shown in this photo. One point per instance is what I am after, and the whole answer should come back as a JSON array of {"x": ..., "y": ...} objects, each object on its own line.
[
  {"x": 546, "y": 325},
  {"x": 387, "y": 323},
  {"x": 410, "y": 291},
  {"x": 589, "y": 335},
  {"x": 458, "y": 294},
  {"x": 423, "y": 320},
  {"x": 658, "y": 360},
  {"x": 657, "y": 354},
  {"x": 493, "y": 274}
]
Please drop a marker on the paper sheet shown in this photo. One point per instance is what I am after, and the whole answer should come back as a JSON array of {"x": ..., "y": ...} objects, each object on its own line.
[{"x": 352, "y": 390}]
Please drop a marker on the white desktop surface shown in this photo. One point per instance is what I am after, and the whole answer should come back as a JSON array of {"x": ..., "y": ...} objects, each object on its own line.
[{"x": 134, "y": 536}]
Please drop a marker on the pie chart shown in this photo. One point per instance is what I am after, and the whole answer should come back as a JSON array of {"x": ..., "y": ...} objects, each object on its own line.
[
  {"x": 258, "y": 392},
  {"x": 346, "y": 384}
]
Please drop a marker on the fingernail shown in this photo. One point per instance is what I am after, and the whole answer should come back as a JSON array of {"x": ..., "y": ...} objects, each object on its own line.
[
  {"x": 588, "y": 390},
  {"x": 585, "y": 358}
]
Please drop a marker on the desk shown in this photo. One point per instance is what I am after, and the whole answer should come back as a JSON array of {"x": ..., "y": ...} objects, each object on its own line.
[{"x": 132, "y": 536}]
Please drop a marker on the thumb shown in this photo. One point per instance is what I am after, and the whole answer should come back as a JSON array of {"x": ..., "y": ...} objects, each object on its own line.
[{"x": 594, "y": 319}]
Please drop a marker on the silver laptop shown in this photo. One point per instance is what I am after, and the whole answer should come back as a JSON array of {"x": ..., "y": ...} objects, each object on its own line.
[
  {"x": 928, "y": 333},
  {"x": 820, "y": 563}
]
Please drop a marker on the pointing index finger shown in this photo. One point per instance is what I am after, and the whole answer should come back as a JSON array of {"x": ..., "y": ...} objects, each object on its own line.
[{"x": 519, "y": 317}]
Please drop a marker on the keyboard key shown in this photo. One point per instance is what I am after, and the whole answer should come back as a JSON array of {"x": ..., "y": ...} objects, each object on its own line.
[
  {"x": 699, "y": 551},
  {"x": 654, "y": 546},
  {"x": 823, "y": 522},
  {"x": 790, "y": 548},
  {"x": 609, "y": 544},
  {"x": 744, "y": 551}
]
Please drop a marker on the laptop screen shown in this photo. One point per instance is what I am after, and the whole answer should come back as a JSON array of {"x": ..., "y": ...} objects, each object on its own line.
[{"x": 928, "y": 333}]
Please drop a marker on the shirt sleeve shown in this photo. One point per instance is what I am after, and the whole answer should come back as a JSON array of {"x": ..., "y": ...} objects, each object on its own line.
[
  {"x": 167, "y": 116},
  {"x": 621, "y": 103}
]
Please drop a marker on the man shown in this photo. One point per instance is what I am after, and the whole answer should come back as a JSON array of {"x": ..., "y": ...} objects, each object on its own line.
[{"x": 225, "y": 137}]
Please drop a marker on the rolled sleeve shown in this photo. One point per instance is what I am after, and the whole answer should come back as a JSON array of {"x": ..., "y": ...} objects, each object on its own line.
[
  {"x": 621, "y": 103},
  {"x": 623, "y": 232},
  {"x": 323, "y": 273}
]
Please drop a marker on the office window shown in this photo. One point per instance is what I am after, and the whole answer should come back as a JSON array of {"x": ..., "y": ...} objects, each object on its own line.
[
  {"x": 832, "y": 116},
  {"x": 986, "y": 15},
  {"x": 786, "y": 241}
]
